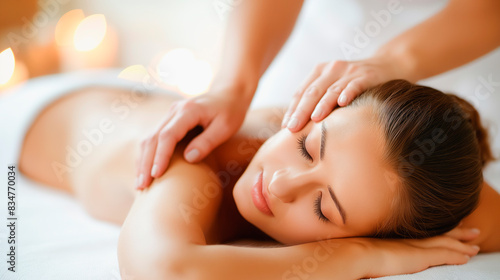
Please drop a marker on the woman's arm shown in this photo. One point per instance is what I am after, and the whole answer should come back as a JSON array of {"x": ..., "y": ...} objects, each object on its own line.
[{"x": 463, "y": 31}]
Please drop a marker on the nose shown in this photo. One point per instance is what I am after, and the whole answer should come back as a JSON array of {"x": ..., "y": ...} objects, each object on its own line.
[{"x": 287, "y": 184}]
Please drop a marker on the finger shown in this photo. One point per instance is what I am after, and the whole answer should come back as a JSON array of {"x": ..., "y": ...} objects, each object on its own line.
[
  {"x": 298, "y": 94},
  {"x": 463, "y": 234},
  {"x": 170, "y": 113},
  {"x": 442, "y": 256},
  {"x": 309, "y": 100},
  {"x": 148, "y": 150},
  {"x": 215, "y": 134},
  {"x": 168, "y": 138},
  {"x": 326, "y": 104},
  {"x": 446, "y": 242},
  {"x": 339, "y": 86},
  {"x": 291, "y": 108},
  {"x": 353, "y": 88}
]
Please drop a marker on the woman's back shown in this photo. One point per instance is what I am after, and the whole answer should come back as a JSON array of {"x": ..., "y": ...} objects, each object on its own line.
[{"x": 93, "y": 145}]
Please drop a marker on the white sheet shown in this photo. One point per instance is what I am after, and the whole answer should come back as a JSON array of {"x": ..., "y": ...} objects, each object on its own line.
[{"x": 58, "y": 240}]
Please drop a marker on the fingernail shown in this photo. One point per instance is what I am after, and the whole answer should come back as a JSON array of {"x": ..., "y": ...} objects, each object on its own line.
[
  {"x": 153, "y": 170},
  {"x": 467, "y": 256},
  {"x": 475, "y": 247},
  {"x": 317, "y": 113},
  {"x": 293, "y": 123},
  {"x": 138, "y": 181},
  {"x": 342, "y": 99},
  {"x": 475, "y": 230},
  {"x": 192, "y": 155}
]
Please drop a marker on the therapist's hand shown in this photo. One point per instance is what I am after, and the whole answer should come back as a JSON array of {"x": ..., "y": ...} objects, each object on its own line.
[
  {"x": 220, "y": 114},
  {"x": 335, "y": 83}
]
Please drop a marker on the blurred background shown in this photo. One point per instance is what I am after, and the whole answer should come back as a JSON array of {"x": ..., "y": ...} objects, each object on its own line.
[{"x": 41, "y": 37}]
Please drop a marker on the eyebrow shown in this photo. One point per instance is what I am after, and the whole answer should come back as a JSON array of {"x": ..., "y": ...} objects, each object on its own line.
[
  {"x": 330, "y": 190},
  {"x": 337, "y": 204},
  {"x": 323, "y": 140}
]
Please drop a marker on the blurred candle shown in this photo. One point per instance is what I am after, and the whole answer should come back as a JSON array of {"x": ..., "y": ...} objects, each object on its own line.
[
  {"x": 93, "y": 43},
  {"x": 11, "y": 72}
]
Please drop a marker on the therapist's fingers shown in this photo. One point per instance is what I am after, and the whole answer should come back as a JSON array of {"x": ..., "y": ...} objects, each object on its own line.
[
  {"x": 148, "y": 148},
  {"x": 352, "y": 89},
  {"x": 326, "y": 104},
  {"x": 298, "y": 94},
  {"x": 168, "y": 138},
  {"x": 218, "y": 131},
  {"x": 309, "y": 100}
]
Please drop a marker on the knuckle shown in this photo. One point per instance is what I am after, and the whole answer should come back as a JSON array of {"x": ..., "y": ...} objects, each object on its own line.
[
  {"x": 148, "y": 141},
  {"x": 187, "y": 105},
  {"x": 335, "y": 65},
  {"x": 318, "y": 68},
  {"x": 327, "y": 101},
  {"x": 164, "y": 135},
  {"x": 313, "y": 91},
  {"x": 333, "y": 90},
  {"x": 370, "y": 74},
  {"x": 297, "y": 94},
  {"x": 352, "y": 68}
]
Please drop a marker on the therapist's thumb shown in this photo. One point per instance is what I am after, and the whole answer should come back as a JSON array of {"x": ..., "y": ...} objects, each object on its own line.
[{"x": 202, "y": 145}]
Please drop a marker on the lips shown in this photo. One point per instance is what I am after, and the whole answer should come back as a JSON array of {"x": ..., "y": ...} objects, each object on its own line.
[{"x": 258, "y": 196}]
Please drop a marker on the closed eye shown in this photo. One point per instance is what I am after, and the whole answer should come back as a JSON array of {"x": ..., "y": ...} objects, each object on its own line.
[
  {"x": 317, "y": 209},
  {"x": 301, "y": 141}
]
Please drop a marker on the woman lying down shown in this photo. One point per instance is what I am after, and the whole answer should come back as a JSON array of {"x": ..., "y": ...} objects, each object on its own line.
[{"x": 390, "y": 184}]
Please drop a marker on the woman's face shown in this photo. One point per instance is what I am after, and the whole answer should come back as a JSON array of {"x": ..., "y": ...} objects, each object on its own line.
[{"x": 328, "y": 180}]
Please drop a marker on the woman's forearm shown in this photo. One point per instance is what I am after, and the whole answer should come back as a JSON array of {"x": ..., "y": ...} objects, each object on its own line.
[
  {"x": 329, "y": 259},
  {"x": 256, "y": 31},
  {"x": 463, "y": 31}
]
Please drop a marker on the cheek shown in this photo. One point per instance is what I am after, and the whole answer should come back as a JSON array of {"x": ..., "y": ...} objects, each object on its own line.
[{"x": 297, "y": 223}]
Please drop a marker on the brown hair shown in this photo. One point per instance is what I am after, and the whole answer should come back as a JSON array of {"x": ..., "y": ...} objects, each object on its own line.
[{"x": 437, "y": 146}]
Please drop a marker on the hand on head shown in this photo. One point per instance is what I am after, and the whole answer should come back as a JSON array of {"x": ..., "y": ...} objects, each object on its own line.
[{"x": 334, "y": 83}]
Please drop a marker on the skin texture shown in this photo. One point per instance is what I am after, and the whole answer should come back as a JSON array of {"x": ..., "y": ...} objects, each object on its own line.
[{"x": 179, "y": 226}]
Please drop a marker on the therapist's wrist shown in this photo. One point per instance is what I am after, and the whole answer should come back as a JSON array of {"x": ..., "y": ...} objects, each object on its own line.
[
  {"x": 403, "y": 61},
  {"x": 241, "y": 88}
]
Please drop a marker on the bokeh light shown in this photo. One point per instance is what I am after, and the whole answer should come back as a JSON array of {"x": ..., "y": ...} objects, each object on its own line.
[
  {"x": 90, "y": 32},
  {"x": 7, "y": 65},
  {"x": 66, "y": 26},
  {"x": 181, "y": 69}
]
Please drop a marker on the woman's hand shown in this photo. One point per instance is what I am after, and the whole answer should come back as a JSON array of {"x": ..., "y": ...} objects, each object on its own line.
[
  {"x": 220, "y": 113},
  {"x": 391, "y": 257},
  {"x": 335, "y": 83}
]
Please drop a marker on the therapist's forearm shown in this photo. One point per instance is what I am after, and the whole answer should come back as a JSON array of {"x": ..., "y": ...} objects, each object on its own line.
[
  {"x": 256, "y": 31},
  {"x": 463, "y": 31}
]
